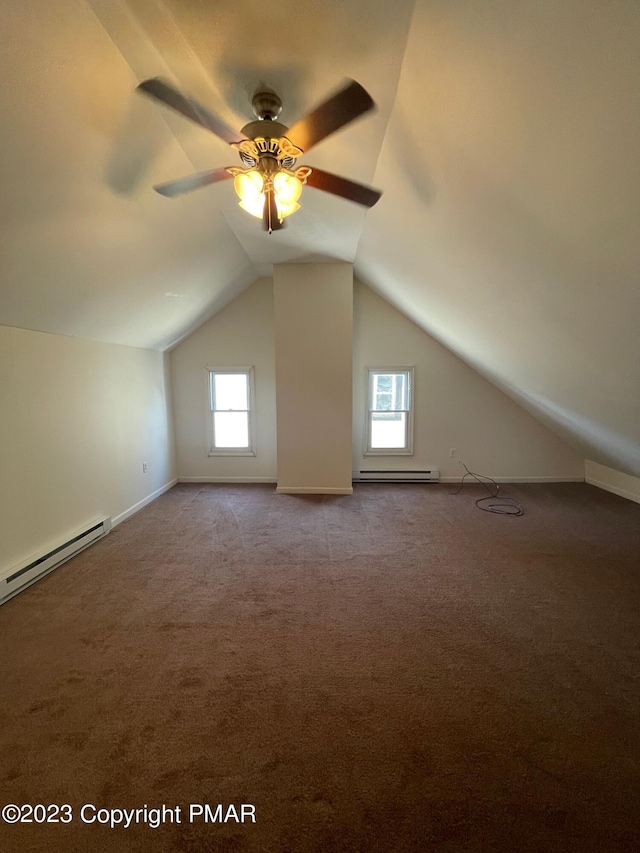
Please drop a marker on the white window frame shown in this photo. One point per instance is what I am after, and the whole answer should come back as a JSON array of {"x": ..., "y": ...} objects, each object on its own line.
[
  {"x": 407, "y": 450},
  {"x": 231, "y": 451}
]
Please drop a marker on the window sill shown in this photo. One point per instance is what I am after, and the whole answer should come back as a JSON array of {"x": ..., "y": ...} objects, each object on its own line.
[
  {"x": 231, "y": 452},
  {"x": 388, "y": 452}
]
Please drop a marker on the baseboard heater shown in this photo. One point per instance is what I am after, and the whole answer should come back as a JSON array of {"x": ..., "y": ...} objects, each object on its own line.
[
  {"x": 32, "y": 570},
  {"x": 431, "y": 475}
]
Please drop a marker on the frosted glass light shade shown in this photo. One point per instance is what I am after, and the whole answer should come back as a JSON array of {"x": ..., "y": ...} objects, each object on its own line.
[
  {"x": 249, "y": 188},
  {"x": 287, "y": 189}
]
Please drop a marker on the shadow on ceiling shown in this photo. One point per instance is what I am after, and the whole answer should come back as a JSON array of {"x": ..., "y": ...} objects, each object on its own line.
[
  {"x": 411, "y": 159},
  {"x": 239, "y": 83},
  {"x": 135, "y": 147}
]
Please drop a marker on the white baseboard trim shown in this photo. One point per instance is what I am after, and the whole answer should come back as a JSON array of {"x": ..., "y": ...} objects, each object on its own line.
[
  {"x": 141, "y": 504},
  {"x": 318, "y": 490},
  {"x": 616, "y": 490},
  {"x": 313, "y": 490},
  {"x": 229, "y": 480},
  {"x": 517, "y": 479}
]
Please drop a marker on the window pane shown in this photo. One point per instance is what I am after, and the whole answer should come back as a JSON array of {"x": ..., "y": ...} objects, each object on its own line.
[
  {"x": 230, "y": 391},
  {"x": 383, "y": 402},
  {"x": 231, "y": 429},
  {"x": 390, "y": 391},
  {"x": 388, "y": 431},
  {"x": 400, "y": 388},
  {"x": 383, "y": 382}
]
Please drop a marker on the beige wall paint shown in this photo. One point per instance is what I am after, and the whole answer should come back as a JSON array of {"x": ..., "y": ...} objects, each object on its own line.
[
  {"x": 240, "y": 335},
  {"x": 79, "y": 418},
  {"x": 313, "y": 333},
  {"x": 612, "y": 481},
  {"x": 454, "y": 406}
]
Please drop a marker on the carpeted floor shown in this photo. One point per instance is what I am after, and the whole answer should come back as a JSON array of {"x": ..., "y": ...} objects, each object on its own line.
[{"x": 393, "y": 671}]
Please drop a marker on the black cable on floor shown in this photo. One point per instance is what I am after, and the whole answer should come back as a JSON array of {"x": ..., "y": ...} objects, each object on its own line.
[{"x": 501, "y": 506}]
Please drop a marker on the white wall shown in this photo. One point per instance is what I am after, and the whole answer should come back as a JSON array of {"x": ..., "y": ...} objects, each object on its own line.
[
  {"x": 454, "y": 407},
  {"x": 79, "y": 418},
  {"x": 313, "y": 333},
  {"x": 239, "y": 335}
]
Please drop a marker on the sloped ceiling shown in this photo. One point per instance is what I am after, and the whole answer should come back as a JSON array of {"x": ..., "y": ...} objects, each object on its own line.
[
  {"x": 506, "y": 141},
  {"x": 515, "y": 238}
]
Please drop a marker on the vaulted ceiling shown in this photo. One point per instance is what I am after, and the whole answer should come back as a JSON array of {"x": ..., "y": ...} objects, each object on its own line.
[{"x": 506, "y": 142}]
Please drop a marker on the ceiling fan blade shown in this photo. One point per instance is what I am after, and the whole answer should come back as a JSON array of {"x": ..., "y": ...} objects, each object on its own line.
[
  {"x": 343, "y": 107},
  {"x": 336, "y": 185},
  {"x": 193, "y": 182},
  {"x": 166, "y": 94}
]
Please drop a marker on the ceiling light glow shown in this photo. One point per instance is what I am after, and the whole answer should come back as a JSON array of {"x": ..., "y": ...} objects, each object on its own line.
[{"x": 251, "y": 186}]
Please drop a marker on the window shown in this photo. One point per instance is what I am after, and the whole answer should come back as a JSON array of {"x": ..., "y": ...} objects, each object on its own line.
[
  {"x": 390, "y": 412},
  {"x": 230, "y": 397}
]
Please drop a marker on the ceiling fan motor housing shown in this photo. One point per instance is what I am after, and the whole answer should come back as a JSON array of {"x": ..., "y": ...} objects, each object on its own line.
[
  {"x": 266, "y": 135},
  {"x": 266, "y": 129}
]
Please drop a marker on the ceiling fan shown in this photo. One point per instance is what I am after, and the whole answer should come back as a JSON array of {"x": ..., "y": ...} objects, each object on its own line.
[{"x": 269, "y": 186}]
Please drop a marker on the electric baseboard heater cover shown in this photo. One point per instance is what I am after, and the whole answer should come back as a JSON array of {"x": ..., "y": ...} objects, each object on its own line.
[
  {"x": 28, "y": 573},
  {"x": 430, "y": 475}
]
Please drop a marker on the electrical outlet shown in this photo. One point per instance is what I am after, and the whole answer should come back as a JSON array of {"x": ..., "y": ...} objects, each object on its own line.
[
  {"x": 144, "y": 467},
  {"x": 452, "y": 452}
]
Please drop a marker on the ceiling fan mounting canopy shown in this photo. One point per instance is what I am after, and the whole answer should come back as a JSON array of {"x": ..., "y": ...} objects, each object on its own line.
[
  {"x": 266, "y": 104},
  {"x": 267, "y": 186}
]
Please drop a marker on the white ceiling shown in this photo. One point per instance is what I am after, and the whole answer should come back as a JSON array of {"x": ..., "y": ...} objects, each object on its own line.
[{"x": 506, "y": 141}]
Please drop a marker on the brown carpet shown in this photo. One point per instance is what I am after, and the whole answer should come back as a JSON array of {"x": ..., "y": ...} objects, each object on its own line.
[{"x": 393, "y": 671}]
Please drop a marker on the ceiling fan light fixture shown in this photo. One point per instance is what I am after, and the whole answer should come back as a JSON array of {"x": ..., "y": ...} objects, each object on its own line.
[
  {"x": 287, "y": 188},
  {"x": 269, "y": 187},
  {"x": 250, "y": 188}
]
